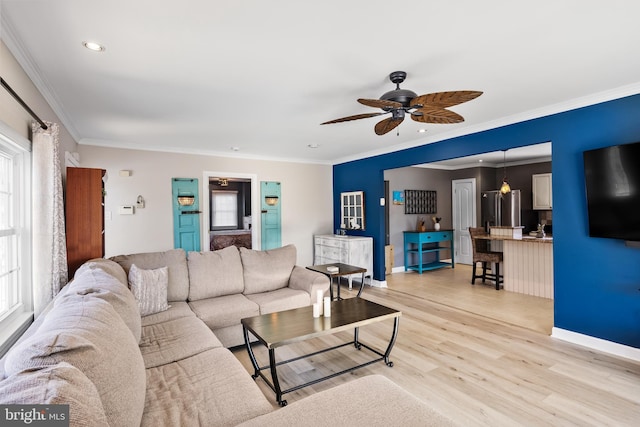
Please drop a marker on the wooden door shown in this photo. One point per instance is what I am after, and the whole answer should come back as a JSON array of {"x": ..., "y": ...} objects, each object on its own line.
[{"x": 84, "y": 215}]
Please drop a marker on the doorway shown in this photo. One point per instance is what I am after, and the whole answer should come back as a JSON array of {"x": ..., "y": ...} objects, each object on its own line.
[{"x": 228, "y": 213}]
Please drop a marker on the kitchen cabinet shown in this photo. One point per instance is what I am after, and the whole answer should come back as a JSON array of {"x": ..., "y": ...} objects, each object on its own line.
[
  {"x": 417, "y": 244},
  {"x": 542, "y": 192},
  {"x": 84, "y": 216},
  {"x": 351, "y": 250}
]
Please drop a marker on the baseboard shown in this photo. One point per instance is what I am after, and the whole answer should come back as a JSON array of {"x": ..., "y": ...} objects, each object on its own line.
[
  {"x": 378, "y": 283},
  {"x": 597, "y": 344}
]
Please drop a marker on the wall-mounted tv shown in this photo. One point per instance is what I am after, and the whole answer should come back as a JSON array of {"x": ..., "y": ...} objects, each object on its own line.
[{"x": 612, "y": 178}]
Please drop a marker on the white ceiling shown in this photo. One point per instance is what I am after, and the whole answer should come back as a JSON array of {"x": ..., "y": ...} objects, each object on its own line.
[{"x": 203, "y": 76}]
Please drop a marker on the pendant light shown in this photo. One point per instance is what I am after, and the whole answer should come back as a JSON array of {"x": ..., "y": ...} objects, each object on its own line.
[{"x": 505, "y": 187}]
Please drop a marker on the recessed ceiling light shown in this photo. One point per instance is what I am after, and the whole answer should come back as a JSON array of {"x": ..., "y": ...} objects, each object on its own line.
[
  {"x": 422, "y": 130},
  {"x": 480, "y": 160},
  {"x": 313, "y": 145},
  {"x": 96, "y": 47}
]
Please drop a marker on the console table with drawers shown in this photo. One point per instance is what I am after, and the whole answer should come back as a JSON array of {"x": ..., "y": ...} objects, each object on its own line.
[{"x": 352, "y": 250}]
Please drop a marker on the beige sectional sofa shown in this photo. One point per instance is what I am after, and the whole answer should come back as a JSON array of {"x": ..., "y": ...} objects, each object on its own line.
[{"x": 91, "y": 349}]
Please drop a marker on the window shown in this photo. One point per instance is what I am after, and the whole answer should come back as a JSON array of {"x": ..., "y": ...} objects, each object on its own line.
[
  {"x": 224, "y": 206},
  {"x": 15, "y": 243}
]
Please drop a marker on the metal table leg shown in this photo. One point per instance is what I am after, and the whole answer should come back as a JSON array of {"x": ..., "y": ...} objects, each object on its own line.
[
  {"x": 274, "y": 377},
  {"x": 254, "y": 362},
  {"x": 394, "y": 335},
  {"x": 361, "y": 285}
]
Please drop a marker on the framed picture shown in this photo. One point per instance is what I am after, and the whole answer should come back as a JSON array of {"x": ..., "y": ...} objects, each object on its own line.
[
  {"x": 398, "y": 197},
  {"x": 420, "y": 202}
]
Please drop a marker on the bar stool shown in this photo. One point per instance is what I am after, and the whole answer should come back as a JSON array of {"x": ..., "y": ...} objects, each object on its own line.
[{"x": 481, "y": 253}]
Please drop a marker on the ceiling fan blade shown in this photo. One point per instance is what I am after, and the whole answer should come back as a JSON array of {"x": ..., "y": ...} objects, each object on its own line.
[
  {"x": 444, "y": 99},
  {"x": 349, "y": 118},
  {"x": 436, "y": 115},
  {"x": 379, "y": 103},
  {"x": 387, "y": 125}
]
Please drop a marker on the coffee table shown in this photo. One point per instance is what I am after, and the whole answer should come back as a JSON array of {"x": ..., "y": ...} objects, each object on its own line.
[
  {"x": 343, "y": 270},
  {"x": 275, "y": 330}
]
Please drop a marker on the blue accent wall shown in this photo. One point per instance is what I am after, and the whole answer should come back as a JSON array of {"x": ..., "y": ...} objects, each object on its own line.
[{"x": 596, "y": 281}]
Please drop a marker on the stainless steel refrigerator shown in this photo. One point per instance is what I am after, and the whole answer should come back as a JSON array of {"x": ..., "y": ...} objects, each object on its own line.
[{"x": 501, "y": 209}]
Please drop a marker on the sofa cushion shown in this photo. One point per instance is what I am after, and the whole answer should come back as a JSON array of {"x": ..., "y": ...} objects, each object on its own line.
[
  {"x": 224, "y": 311},
  {"x": 112, "y": 268},
  {"x": 175, "y": 340},
  {"x": 372, "y": 401},
  {"x": 267, "y": 270},
  {"x": 280, "y": 300},
  {"x": 149, "y": 287},
  {"x": 101, "y": 280},
  {"x": 176, "y": 310},
  {"x": 54, "y": 385},
  {"x": 214, "y": 274},
  {"x": 209, "y": 389},
  {"x": 87, "y": 333},
  {"x": 175, "y": 259}
]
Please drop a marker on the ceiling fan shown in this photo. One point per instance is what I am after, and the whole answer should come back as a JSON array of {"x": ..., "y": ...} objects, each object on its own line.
[{"x": 428, "y": 108}]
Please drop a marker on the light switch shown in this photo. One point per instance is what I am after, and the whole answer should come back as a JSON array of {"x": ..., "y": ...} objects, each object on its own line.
[{"x": 107, "y": 215}]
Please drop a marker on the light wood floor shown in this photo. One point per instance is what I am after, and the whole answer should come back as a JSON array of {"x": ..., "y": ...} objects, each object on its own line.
[{"x": 477, "y": 355}]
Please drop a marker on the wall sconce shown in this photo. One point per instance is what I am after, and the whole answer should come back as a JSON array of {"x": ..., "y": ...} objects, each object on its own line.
[
  {"x": 223, "y": 182},
  {"x": 271, "y": 200},
  {"x": 186, "y": 200}
]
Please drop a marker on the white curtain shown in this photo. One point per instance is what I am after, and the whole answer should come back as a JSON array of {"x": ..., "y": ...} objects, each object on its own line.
[{"x": 49, "y": 240}]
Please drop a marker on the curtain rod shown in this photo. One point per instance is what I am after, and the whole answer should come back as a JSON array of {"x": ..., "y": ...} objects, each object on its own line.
[{"x": 22, "y": 103}]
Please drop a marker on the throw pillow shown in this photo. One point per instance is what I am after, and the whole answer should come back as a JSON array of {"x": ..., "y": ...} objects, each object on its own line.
[{"x": 149, "y": 287}]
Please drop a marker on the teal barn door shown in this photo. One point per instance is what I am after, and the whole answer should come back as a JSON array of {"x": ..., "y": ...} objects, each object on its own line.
[
  {"x": 270, "y": 202},
  {"x": 186, "y": 213}
]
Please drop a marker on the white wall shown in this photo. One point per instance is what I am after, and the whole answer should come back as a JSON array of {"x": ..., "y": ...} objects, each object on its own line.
[
  {"x": 14, "y": 115},
  {"x": 306, "y": 195}
]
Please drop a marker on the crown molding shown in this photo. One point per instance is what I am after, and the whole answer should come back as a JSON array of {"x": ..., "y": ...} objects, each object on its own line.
[{"x": 25, "y": 60}]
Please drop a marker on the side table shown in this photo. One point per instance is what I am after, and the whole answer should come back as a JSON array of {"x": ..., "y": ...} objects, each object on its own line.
[{"x": 343, "y": 270}]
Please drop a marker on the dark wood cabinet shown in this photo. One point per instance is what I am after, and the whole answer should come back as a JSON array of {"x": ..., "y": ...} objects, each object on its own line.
[{"x": 84, "y": 210}]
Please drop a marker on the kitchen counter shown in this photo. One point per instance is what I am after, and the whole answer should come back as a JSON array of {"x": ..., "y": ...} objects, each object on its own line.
[
  {"x": 528, "y": 239},
  {"x": 527, "y": 263}
]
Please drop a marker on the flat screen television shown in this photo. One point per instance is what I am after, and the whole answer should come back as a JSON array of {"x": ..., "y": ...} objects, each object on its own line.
[{"x": 612, "y": 178}]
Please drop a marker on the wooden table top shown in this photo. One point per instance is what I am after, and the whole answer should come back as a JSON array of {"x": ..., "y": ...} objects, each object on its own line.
[
  {"x": 290, "y": 326},
  {"x": 343, "y": 269}
]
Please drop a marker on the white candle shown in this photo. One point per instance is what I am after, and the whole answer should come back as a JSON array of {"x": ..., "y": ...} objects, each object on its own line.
[
  {"x": 327, "y": 307},
  {"x": 320, "y": 294},
  {"x": 316, "y": 309}
]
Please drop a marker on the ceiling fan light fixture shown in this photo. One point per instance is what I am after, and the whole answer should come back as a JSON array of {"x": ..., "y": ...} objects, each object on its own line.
[{"x": 427, "y": 108}]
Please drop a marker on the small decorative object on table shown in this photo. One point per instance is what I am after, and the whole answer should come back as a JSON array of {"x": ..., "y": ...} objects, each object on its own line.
[
  {"x": 436, "y": 222},
  {"x": 333, "y": 269},
  {"x": 420, "y": 225},
  {"x": 327, "y": 307}
]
